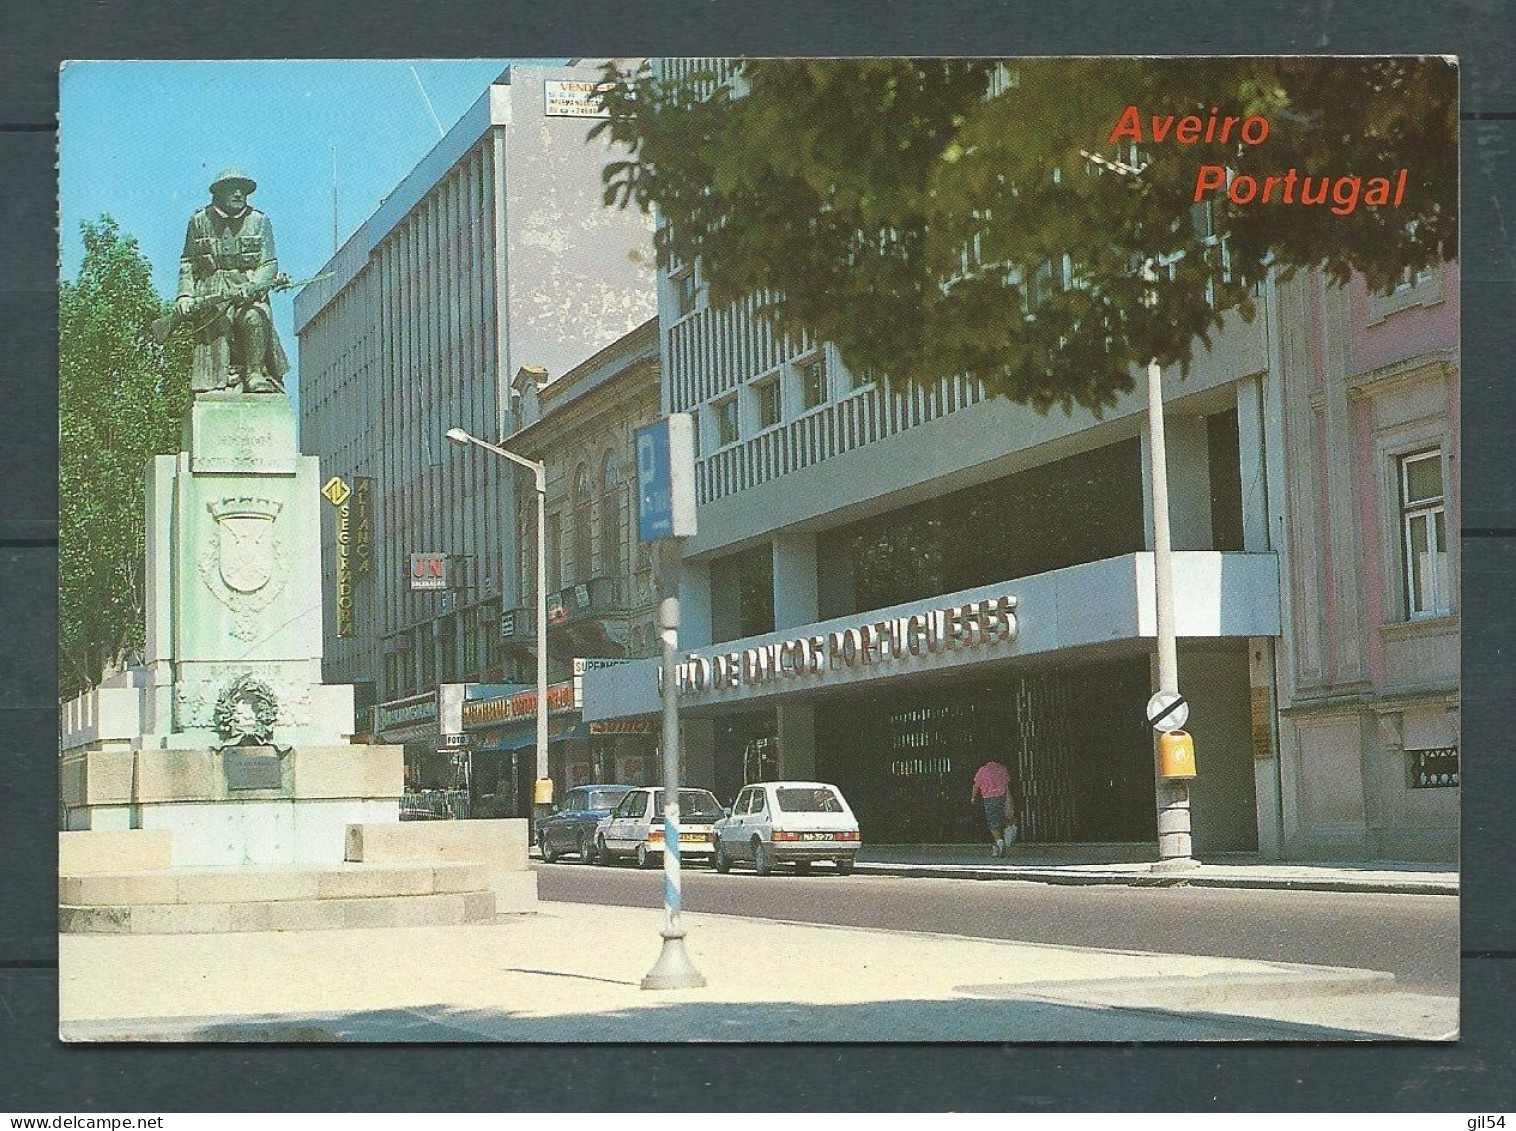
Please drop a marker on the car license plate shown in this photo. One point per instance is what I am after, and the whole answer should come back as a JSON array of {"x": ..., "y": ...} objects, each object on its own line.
[{"x": 816, "y": 836}]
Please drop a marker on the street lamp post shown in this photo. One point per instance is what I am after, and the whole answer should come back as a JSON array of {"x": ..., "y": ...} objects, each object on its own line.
[
  {"x": 539, "y": 478},
  {"x": 1173, "y": 796}
]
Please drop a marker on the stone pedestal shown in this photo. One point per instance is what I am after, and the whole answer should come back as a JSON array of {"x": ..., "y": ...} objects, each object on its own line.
[{"x": 233, "y": 594}]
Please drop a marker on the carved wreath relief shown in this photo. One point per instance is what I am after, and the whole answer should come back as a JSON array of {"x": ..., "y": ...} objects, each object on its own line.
[
  {"x": 246, "y": 565},
  {"x": 245, "y": 712}
]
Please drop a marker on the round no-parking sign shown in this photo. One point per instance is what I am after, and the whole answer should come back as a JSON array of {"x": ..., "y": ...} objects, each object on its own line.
[{"x": 1168, "y": 710}]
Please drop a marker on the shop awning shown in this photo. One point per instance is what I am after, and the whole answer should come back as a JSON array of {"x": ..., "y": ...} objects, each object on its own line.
[{"x": 522, "y": 739}]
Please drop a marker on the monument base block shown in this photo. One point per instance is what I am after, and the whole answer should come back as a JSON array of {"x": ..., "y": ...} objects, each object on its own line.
[
  {"x": 238, "y": 805},
  {"x": 175, "y": 901}
]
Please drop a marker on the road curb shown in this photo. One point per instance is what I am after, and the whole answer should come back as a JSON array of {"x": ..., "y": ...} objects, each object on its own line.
[
  {"x": 1286, "y": 982},
  {"x": 1196, "y": 879}
]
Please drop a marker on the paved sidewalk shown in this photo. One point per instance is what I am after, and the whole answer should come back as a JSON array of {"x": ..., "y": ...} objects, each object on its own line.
[
  {"x": 571, "y": 973},
  {"x": 1132, "y": 865}
]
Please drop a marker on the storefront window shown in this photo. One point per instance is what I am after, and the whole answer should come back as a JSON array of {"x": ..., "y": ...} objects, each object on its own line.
[{"x": 1075, "y": 741}]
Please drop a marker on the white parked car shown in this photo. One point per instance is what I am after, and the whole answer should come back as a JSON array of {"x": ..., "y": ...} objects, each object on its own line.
[
  {"x": 635, "y": 827},
  {"x": 780, "y": 821}
]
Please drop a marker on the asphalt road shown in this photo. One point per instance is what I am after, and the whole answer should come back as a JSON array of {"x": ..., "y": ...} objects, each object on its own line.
[{"x": 1414, "y": 937}]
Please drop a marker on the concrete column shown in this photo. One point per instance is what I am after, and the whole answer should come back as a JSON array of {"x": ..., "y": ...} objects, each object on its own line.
[
  {"x": 795, "y": 600},
  {"x": 694, "y": 604},
  {"x": 1343, "y": 516},
  {"x": 1189, "y": 482},
  {"x": 1263, "y": 711},
  {"x": 158, "y": 649},
  {"x": 797, "y": 741},
  {"x": 1250, "y": 443}
]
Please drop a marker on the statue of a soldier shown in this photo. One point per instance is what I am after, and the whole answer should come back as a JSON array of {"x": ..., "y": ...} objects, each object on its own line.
[{"x": 225, "y": 275}]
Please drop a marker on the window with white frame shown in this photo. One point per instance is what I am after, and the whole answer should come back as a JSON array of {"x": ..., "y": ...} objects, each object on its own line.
[
  {"x": 1423, "y": 536},
  {"x": 813, "y": 382},
  {"x": 725, "y": 414},
  {"x": 766, "y": 402},
  {"x": 686, "y": 291}
]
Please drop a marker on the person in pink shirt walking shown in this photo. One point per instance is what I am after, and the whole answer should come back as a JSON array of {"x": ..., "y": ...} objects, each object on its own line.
[{"x": 992, "y": 787}]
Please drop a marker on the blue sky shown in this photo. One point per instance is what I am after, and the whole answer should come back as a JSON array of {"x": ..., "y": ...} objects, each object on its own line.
[{"x": 143, "y": 140}]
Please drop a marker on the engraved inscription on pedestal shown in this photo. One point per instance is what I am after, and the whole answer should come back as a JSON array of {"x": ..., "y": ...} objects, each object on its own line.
[
  {"x": 240, "y": 434},
  {"x": 252, "y": 767}
]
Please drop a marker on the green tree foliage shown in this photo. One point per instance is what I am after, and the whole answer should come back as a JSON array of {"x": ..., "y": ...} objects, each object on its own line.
[
  {"x": 121, "y": 399},
  {"x": 940, "y": 217}
]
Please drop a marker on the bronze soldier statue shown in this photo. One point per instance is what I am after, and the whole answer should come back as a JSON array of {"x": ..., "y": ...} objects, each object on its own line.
[{"x": 225, "y": 275}]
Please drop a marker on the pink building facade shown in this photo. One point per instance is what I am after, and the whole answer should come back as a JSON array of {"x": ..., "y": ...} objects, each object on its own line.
[{"x": 1368, "y": 668}]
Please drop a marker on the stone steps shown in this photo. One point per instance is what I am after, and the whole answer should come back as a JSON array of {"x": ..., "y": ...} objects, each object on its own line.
[{"x": 291, "y": 898}]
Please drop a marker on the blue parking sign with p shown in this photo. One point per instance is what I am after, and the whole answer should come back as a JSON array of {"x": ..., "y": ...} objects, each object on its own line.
[{"x": 666, "y": 479}]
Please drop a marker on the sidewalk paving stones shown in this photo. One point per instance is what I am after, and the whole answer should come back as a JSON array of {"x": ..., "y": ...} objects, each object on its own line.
[{"x": 571, "y": 973}]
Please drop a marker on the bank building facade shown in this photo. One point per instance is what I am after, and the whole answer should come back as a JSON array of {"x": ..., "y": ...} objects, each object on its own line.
[{"x": 892, "y": 583}]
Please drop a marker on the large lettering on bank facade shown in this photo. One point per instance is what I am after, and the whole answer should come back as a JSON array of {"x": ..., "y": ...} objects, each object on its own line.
[{"x": 957, "y": 628}]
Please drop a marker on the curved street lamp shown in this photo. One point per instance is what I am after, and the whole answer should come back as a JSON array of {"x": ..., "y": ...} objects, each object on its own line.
[{"x": 539, "y": 477}]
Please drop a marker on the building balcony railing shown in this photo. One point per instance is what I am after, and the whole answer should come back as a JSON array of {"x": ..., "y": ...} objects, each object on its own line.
[{"x": 597, "y": 598}]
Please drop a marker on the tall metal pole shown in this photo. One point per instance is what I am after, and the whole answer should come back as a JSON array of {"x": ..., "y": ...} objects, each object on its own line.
[
  {"x": 1173, "y": 795},
  {"x": 539, "y": 480},
  {"x": 539, "y": 474},
  {"x": 673, "y": 970}
]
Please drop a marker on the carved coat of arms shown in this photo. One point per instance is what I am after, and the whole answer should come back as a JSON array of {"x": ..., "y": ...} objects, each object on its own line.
[{"x": 246, "y": 564}]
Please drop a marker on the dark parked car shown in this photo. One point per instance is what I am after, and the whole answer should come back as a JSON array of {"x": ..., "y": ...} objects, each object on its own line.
[{"x": 571, "y": 828}]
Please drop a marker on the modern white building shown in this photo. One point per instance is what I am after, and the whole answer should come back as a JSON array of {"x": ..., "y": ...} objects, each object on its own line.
[
  {"x": 892, "y": 583},
  {"x": 494, "y": 253}
]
